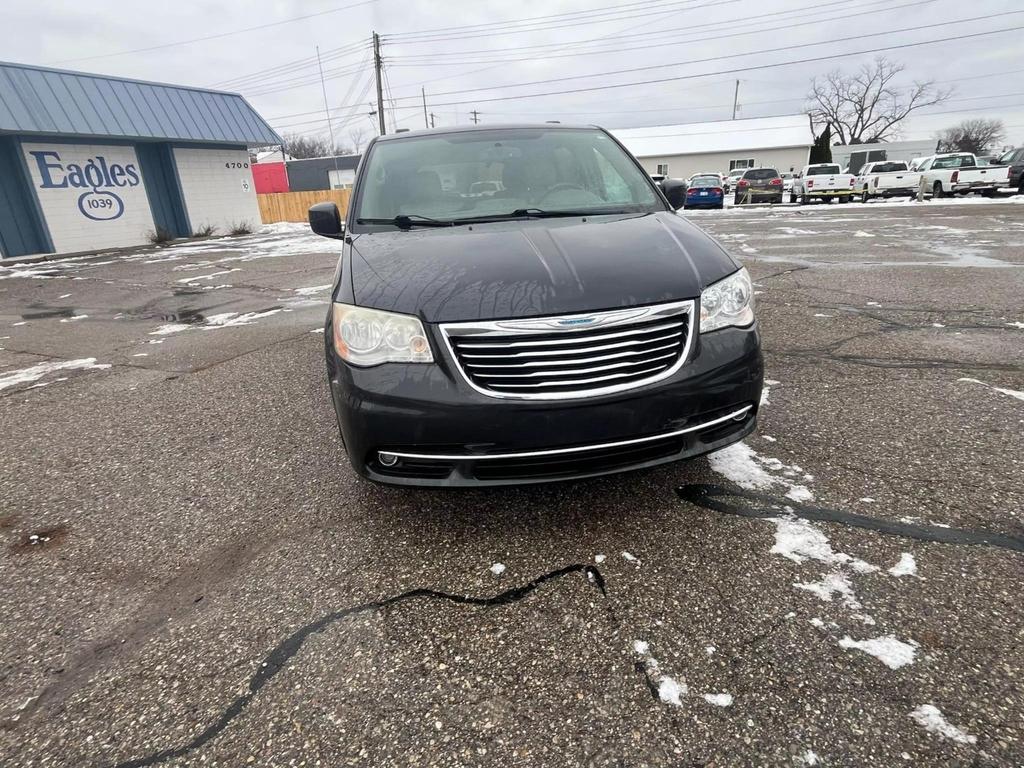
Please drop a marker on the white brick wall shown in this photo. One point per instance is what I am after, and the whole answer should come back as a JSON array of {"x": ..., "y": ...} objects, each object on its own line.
[
  {"x": 218, "y": 188},
  {"x": 115, "y": 212}
]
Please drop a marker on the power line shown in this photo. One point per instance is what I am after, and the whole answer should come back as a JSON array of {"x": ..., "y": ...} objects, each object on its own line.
[
  {"x": 219, "y": 35},
  {"x": 533, "y": 21},
  {"x": 418, "y": 61},
  {"x": 619, "y": 36},
  {"x": 729, "y": 56},
  {"x": 296, "y": 65},
  {"x": 287, "y": 85}
]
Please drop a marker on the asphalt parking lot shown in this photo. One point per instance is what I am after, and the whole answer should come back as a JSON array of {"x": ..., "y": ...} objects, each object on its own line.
[{"x": 192, "y": 575}]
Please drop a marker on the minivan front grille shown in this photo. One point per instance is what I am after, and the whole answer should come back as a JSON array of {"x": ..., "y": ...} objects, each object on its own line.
[{"x": 575, "y": 355}]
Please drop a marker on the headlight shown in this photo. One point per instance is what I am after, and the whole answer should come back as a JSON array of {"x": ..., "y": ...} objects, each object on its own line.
[
  {"x": 727, "y": 302},
  {"x": 370, "y": 337}
]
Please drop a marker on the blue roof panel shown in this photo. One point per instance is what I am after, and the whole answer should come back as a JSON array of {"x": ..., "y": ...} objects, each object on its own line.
[{"x": 58, "y": 102}]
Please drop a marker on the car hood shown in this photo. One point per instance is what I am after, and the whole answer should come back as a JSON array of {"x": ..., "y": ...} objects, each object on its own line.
[{"x": 534, "y": 267}]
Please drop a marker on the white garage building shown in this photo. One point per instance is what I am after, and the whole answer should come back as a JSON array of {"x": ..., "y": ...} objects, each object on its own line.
[
  {"x": 90, "y": 162},
  {"x": 679, "y": 151}
]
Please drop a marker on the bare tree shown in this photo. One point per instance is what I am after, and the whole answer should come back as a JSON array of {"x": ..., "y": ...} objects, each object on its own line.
[
  {"x": 976, "y": 136},
  {"x": 357, "y": 136},
  {"x": 301, "y": 147},
  {"x": 867, "y": 106}
]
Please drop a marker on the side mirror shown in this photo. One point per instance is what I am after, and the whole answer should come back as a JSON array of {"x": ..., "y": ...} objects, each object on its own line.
[
  {"x": 325, "y": 220},
  {"x": 675, "y": 192}
]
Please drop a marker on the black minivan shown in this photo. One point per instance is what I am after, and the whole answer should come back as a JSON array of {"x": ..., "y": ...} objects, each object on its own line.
[{"x": 564, "y": 322}]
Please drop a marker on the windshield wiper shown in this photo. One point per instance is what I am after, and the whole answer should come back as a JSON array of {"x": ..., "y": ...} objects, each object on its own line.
[
  {"x": 410, "y": 220},
  {"x": 540, "y": 213}
]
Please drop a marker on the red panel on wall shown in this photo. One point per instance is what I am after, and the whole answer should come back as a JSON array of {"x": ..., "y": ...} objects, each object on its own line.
[{"x": 270, "y": 177}]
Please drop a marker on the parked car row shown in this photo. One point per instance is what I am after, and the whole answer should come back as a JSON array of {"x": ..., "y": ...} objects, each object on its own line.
[{"x": 954, "y": 173}]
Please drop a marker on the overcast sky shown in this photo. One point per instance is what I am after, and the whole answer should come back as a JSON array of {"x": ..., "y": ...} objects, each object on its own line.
[{"x": 688, "y": 45}]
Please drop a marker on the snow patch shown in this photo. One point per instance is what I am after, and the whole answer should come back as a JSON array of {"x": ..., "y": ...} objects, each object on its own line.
[
  {"x": 599, "y": 558},
  {"x": 1010, "y": 392},
  {"x": 232, "y": 319},
  {"x": 312, "y": 289},
  {"x": 809, "y": 758},
  {"x": 629, "y": 557},
  {"x": 931, "y": 719},
  {"x": 206, "y": 277},
  {"x": 906, "y": 566},
  {"x": 36, "y": 372},
  {"x": 887, "y": 649},
  {"x": 719, "y": 699},
  {"x": 832, "y": 584},
  {"x": 748, "y": 469},
  {"x": 73, "y": 318},
  {"x": 169, "y": 328},
  {"x": 671, "y": 691},
  {"x": 862, "y": 233},
  {"x": 497, "y": 569}
]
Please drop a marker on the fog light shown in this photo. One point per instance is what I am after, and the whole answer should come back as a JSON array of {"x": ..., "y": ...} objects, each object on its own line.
[{"x": 387, "y": 459}]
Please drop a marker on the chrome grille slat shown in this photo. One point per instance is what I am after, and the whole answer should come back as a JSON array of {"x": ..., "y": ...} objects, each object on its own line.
[
  {"x": 573, "y": 361},
  {"x": 568, "y": 340},
  {"x": 576, "y": 382},
  {"x": 573, "y": 372},
  {"x": 572, "y": 356},
  {"x": 562, "y": 352}
]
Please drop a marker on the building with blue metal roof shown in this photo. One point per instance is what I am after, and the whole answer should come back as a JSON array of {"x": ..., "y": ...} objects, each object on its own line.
[{"x": 89, "y": 162}]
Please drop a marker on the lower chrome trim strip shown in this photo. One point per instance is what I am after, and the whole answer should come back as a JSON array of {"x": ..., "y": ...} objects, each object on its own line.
[{"x": 576, "y": 449}]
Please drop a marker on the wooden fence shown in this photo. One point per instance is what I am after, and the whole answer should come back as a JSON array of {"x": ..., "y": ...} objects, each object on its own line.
[{"x": 293, "y": 206}]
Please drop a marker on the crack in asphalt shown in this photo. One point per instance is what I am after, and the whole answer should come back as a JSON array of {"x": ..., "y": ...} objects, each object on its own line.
[
  {"x": 714, "y": 497},
  {"x": 279, "y": 657}
]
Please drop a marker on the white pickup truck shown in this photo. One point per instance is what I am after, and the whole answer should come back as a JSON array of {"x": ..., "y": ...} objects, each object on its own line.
[
  {"x": 887, "y": 178},
  {"x": 959, "y": 173},
  {"x": 823, "y": 181}
]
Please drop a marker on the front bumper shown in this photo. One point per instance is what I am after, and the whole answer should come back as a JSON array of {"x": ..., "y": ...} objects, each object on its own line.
[{"x": 444, "y": 433}]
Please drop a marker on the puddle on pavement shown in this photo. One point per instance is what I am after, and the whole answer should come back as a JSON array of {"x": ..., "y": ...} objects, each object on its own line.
[
  {"x": 186, "y": 316},
  {"x": 47, "y": 538},
  {"x": 44, "y": 313}
]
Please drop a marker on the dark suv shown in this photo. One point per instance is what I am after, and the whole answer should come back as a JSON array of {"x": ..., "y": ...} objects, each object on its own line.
[
  {"x": 1015, "y": 159},
  {"x": 759, "y": 185},
  {"x": 569, "y": 324}
]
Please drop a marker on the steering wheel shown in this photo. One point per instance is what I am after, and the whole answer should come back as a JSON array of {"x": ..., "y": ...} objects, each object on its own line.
[{"x": 560, "y": 187}]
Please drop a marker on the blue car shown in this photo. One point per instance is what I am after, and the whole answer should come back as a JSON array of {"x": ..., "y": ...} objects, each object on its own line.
[{"x": 704, "y": 192}]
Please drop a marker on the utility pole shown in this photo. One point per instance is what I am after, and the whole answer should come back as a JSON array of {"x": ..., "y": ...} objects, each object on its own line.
[
  {"x": 425, "y": 123},
  {"x": 380, "y": 87},
  {"x": 476, "y": 116},
  {"x": 735, "y": 99},
  {"x": 431, "y": 119},
  {"x": 327, "y": 111}
]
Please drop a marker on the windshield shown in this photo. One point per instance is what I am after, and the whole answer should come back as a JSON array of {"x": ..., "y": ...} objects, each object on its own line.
[
  {"x": 823, "y": 170},
  {"x": 495, "y": 172},
  {"x": 956, "y": 161},
  {"x": 761, "y": 174},
  {"x": 888, "y": 167},
  {"x": 705, "y": 181}
]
